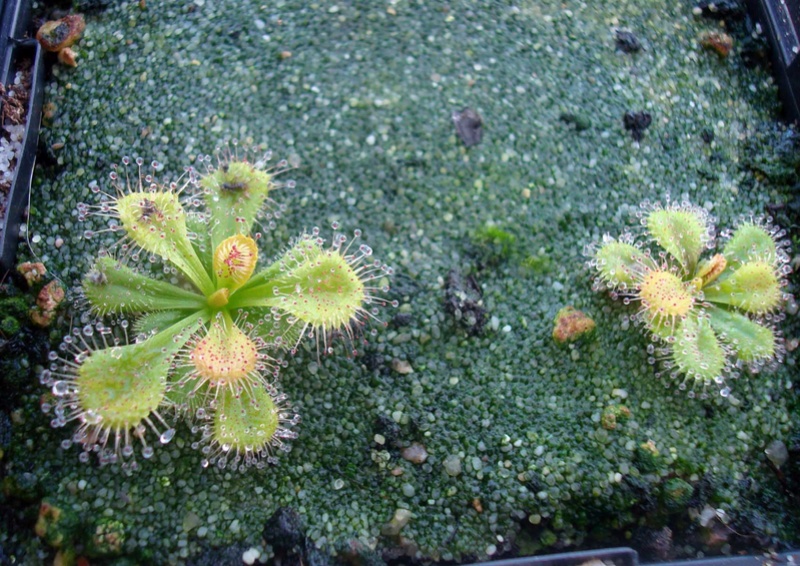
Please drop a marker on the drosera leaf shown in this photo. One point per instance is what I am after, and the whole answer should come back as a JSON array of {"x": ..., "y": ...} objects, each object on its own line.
[
  {"x": 245, "y": 421},
  {"x": 697, "y": 352},
  {"x": 112, "y": 287},
  {"x": 116, "y": 389},
  {"x": 156, "y": 222},
  {"x": 618, "y": 263},
  {"x": 122, "y": 382},
  {"x": 234, "y": 194},
  {"x": 317, "y": 286},
  {"x": 245, "y": 430},
  {"x": 749, "y": 241},
  {"x": 753, "y": 287},
  {"x": 750, "y": 340},
  {"x": 682, "y": 232}
]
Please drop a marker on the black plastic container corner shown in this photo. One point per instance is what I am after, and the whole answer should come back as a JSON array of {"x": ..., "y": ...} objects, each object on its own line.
[
  {"x": 14, "y": 49},
  {"x": 624, "y": 556},
  {"x": 608, "y": 556},
  {"x": 780, "y": 21}
]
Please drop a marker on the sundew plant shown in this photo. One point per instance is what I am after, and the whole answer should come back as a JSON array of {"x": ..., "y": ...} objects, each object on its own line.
[
  {"x": 708, "y": 316},
  {"x": 200, "y": 337}
]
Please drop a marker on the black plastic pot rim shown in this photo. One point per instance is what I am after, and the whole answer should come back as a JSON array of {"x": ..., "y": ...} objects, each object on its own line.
[
  {"x": 13, "y": 48},
  {"x": 624, "y": 556}
]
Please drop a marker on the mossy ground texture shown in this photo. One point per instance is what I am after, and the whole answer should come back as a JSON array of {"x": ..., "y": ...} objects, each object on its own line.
[{"x": 360, "y": 94}]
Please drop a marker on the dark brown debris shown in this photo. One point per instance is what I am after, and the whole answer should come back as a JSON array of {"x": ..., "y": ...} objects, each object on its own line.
[{"x": 469, "y": 126}]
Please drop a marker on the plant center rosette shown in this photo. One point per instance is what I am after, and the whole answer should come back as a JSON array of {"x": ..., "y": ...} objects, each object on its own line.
[
  {"x": 710, "y": 315},
  {"x": 201, "y": 348}
]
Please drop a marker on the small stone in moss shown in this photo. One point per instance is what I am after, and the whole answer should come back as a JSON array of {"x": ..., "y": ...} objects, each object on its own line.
[
  {"x": 400, "y": 519},
  {"x": 636, "y": 123},
  {"x": 469, "y": 126},
  {"x": 415, "y": 453},
  {"x": 627, "y": 42}
]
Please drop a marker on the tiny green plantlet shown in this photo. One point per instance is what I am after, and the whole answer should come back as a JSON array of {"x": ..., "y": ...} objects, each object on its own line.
[
  {"x": 708, "y": 317},
  {"x": 200, "y": 343}
]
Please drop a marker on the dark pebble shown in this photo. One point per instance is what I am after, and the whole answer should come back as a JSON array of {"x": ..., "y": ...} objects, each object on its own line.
[
  {"x": 469, "y": 126},
  {"x": 627, "y": 42},
  {"x": 707, "y": 134},
  {"x": 401, "y": 319},
  {"x": 387, "y": 427},
  {"x": 636, "y": 123}
]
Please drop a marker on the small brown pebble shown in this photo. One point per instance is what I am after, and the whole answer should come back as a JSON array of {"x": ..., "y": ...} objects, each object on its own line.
[
  {"x": 398, "y": 471},
  {"x": 395, "y": 525},
  {"x": 285, "y": 55},
  {"x": 67, "y": 57},
  {"x": 57, "y": 146},
  {"x": 55, "y": 35},
  {"x": 415, "y": 453},
  {"x": 717, "y": 41},
  {"x": 476, "y": 504}
]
